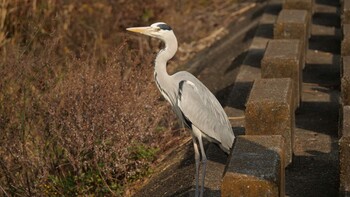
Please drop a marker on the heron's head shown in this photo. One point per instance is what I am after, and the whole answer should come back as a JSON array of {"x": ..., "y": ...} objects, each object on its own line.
[{"x": 157, "y": 30}]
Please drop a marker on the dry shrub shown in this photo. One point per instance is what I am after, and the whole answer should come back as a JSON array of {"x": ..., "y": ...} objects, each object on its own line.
[
  {"x": 79, "y": 112},
  {"x": 77, "y": 128}
]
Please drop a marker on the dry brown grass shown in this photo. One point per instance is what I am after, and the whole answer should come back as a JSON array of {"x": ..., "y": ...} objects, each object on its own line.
[
  {"x": 79, "y": 111},
  {"x": 76, "y": 129}
]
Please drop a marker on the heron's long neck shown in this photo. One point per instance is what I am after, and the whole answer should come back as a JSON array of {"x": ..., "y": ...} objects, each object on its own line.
[
  {"x": 163, "y": 79},
  {"x": 164, "y": 55}
]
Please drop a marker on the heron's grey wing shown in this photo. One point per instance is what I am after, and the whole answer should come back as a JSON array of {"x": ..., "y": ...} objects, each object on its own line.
[{"x": 203, "y": 110}]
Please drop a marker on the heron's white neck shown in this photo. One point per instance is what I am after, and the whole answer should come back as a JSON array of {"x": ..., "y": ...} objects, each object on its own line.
[
  {"x": 163, "y": 80},
  {"x": 164, "y": 55}
]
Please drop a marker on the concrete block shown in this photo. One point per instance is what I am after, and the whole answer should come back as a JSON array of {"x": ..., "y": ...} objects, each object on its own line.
[
  {"x": 345, "y": 12},
  {"x": 255, "y": 167},
  {"x": 307, "y": 5},
  {"x": 293, "y": 24},
  {"x": 345, "y": 45},
  {"x": 284, "y": 59},
  {"x": 344, "y": 153},
  {"x": 270, "y": 111},
  {"x": 345, "y": 80},
  {"x": 300, "y": 5}
]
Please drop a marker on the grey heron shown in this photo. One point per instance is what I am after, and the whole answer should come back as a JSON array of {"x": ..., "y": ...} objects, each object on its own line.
[{"x": 193, "y": 103}]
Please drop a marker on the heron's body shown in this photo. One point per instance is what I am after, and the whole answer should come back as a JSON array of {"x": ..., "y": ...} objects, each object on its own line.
[{"x": 195, "y": 106}]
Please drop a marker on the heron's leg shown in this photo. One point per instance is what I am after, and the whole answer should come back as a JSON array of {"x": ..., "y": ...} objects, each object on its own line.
[
  {"x": 196, "y": 156},
  {"x": 204, "y": 163}
]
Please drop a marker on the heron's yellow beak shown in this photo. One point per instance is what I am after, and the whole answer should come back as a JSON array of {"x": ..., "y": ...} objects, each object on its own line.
[{"x": 142, "y": 30}]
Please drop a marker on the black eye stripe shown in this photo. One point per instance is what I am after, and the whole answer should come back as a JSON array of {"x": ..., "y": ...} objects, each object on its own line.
[{"x": 164, "y": 27}]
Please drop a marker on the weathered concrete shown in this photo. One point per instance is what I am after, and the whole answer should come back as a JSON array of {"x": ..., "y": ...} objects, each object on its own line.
[
  {"x": 270, "y": 111},
  {"x": 293, "y": 24},
  {"x": 345, "y": 45},
  {"x": 256, "y": 167},
  {"x": 307, "y": 5},
  {"x": 345, "y": 12},
  {"x": 283, "y": 59},
  {"x": 344, "y": 153},
  {"x": 345, "y": 80},
  {"x": 300, "y": 5}
]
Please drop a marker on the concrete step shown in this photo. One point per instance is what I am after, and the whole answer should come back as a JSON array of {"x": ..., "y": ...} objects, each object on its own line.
[
  {"x": 250, "y": 68},
  {"x": 319, "y": 102}
]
